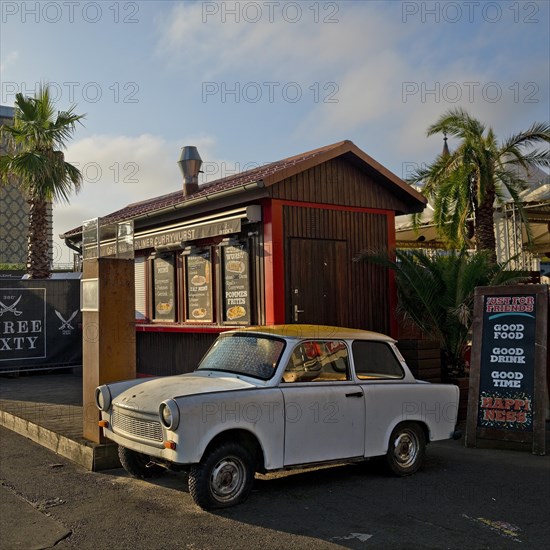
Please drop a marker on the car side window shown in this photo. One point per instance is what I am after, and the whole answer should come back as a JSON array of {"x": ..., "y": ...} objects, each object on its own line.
[
  {"x": 318, "y": 361},
  {"x": 375, "y": 360}
]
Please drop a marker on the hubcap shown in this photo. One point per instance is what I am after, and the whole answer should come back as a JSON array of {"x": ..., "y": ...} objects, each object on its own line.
[
  {"x": 406, "y": 448},
  {"x": 227, "y": 478}
]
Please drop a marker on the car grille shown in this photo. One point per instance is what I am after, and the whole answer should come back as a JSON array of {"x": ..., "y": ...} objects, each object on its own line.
[{"x": 145, "y": 429}]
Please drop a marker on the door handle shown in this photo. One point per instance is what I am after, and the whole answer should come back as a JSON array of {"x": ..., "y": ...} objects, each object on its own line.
[
  {"x": 355, "y": 394},
  {"x": 297, "y": 312}
]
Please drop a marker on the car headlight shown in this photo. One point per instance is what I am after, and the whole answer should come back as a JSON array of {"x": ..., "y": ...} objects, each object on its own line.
[
  {"x": 169, "y": 414},
  {"x": 103, "y": 398}
]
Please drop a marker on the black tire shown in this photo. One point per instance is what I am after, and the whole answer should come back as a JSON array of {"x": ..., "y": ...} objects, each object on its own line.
[
  {"x": 223, "y": 478},
  {"x": 136, "y": 463},
  {"x": 406, "y": 449}
]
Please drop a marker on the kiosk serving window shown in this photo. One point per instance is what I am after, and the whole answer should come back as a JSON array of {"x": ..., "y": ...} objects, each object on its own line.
[
  {"x": 199, "y": 286},
  {"x": 164, "y": 288}
]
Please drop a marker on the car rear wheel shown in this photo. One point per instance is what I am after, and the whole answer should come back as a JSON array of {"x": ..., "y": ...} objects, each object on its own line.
[
  {"x": 138, "y": 464},
  {"x": 223, "y": 478},
  {"x": 406, "y": 449}
]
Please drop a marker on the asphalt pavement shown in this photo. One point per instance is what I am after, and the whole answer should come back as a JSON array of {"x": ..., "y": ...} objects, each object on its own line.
[{"x": 462, "y": 498}]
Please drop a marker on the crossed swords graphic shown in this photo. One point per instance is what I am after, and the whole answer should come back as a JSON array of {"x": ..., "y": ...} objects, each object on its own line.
[
  {"x": 5, "y": 308},
  {"x": 66, "y": 323}
]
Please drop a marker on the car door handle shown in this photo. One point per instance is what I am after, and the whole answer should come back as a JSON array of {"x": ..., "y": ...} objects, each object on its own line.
[{"x": 355, "y": 394}]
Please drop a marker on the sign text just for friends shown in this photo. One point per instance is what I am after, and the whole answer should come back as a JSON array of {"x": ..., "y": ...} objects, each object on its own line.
[{"x": 506, "y": 390}]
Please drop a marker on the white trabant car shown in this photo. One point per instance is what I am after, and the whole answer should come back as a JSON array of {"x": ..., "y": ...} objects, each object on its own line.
[{"x": 277, "y": 397}]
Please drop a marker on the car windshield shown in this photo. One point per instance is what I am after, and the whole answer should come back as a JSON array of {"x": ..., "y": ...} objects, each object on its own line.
[{"x": 247, "y": 354}]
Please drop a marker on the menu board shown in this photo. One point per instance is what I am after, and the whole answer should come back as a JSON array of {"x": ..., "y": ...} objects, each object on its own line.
[
  {"x": 507, "y": 378},
  {"x": 164, "y": 289},
  {"x": 508, "y": 381},
  {"x": 199, "y": 287},
  {"x": 236, "y": 285}
]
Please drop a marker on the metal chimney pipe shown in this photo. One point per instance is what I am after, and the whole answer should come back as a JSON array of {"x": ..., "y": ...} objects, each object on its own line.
[{"x": 190, "y": 163}]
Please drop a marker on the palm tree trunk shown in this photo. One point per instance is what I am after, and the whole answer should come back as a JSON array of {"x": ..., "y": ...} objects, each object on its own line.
[
  {"x": 38, "y": 250},
  {"x": 485, "y": 227}
]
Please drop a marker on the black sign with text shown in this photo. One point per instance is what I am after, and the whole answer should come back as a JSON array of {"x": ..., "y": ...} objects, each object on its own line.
[
  {"x": 40, "y": 324},
  {"x": 236, "y": 284},
  {"x": 191, "y": 233},
  {"x": 507, "y": 378},
  {"x": 164, "y": 294},
  {"x": 22, "y": 323},
  {"x": 199, "y": 287}
]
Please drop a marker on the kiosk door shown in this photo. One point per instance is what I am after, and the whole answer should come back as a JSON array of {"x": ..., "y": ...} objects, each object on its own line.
[{"x": 318, "y": 274}]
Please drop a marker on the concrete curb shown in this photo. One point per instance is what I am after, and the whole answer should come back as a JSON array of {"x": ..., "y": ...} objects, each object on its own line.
[{"x": 91, "y": 456}]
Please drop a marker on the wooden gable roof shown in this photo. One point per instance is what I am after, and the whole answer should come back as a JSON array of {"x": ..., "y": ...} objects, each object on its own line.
[{"x": 273, "y": 173}]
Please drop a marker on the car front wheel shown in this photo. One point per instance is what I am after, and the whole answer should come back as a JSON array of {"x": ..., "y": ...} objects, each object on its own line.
[
  {"x": 223, "y": 478},
  {"x": 138, "y": 464},
  {"x": 406, "y": 449}
]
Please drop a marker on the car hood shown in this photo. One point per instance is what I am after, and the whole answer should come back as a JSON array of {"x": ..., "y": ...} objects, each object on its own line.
[{"x": 147, "y": 396}]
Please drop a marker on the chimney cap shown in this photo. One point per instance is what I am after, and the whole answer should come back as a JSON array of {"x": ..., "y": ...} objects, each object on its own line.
[{"x": 190, "y": 162}]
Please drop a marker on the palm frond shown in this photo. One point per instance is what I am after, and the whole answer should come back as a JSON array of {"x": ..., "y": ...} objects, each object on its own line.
[
  {"x": 457, "y": 123},
  {"x": 436, "y": 293},
  {"x": 464, "y": 184},
  {"x": 37, "y": 136},
  {"x": 538, "y": 132},
  {"x": 526, "y": 160}
]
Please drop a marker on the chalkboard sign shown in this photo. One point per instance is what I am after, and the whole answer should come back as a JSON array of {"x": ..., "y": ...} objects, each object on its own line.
[
  {"x": 164, "y": 298},
  {"x": 199, "y": 287},
  {"x": 508, "y": 370},
  {"x": 236, "y": 285},
  {"x": 507, "y": 378}
]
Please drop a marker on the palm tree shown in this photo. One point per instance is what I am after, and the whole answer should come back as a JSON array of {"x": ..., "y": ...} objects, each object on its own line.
[
  {"x": 436, "y": 294},
  {"x": 38, "y": 166},
  {"x": 463, "y": 184}
]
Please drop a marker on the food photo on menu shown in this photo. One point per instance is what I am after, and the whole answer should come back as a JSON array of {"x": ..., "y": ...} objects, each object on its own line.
[
  {"x": 199, "y": 288},
  {"x": 236, "y": 285}
]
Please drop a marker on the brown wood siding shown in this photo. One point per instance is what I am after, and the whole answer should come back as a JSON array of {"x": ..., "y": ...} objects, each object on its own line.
[
  {"x": 368, "y": 296},
  {"x": 341, "y": 183},
  {"x": 167, "y": 353}
]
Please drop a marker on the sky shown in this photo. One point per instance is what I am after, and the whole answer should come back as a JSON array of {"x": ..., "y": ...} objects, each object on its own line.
[{"x": 253, "y": 82}]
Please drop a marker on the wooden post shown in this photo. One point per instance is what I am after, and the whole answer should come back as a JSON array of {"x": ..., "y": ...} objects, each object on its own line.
[{"x": 108, "y": 331}]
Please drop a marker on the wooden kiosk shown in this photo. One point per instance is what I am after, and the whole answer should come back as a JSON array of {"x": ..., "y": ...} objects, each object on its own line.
[{"x": 272, "y": 245}]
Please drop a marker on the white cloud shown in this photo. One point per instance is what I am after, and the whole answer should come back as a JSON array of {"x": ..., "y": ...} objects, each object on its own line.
[
  {"x": 9, "y": 59},
  {"x": 370, "y": 55},
  {"x": 393, "y": 103},
  {"x": 208, "y": 41},
  {"x": 120, "y": 170},
  {"x": 361, "y": 99}
]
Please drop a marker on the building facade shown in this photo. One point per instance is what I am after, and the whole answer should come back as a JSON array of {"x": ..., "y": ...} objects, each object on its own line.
[{"x": 14, "y": 212}]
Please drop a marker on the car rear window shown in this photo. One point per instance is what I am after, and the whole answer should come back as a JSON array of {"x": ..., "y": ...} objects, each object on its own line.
[{"x": 375, "y": 360}]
